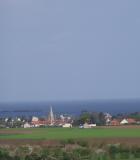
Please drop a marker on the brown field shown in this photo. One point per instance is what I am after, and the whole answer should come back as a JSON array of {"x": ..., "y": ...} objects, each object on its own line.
[
  {"x": 91, "y": 141},
  {"x": 121, "y": 126},
  {"x": 15, "y": 131}
]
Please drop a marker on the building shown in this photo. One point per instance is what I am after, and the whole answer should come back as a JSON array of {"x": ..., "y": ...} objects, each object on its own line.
[
  {"x": 124, "y": 121},
  {"x": 39, "y": 123},
  {"x": 108, "y": 118},
  {"x": 86, "y": 125},
  {"x": 51, "y": 120},
  {"x": 27, "y": 125},
  {"x": 131, "y": 121},
  {"x": 67, "y": 125},
  {"x": 115, "y": 122},
  {"x": 35, "y": 118}
]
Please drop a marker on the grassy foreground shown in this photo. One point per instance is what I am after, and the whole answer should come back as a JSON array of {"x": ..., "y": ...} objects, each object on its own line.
[{"x": 68, "y": 133}]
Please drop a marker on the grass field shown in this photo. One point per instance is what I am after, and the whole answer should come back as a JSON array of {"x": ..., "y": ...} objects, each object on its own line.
[{"x": 68, "y": 133}]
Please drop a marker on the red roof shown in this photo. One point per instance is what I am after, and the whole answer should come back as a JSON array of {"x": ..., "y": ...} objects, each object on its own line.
[
  {"x": 46, "y": 122},
  {"x": 39, "y": 122},
  {"x": 115, "y": 122},
  {"x": 131, "y": 120}
]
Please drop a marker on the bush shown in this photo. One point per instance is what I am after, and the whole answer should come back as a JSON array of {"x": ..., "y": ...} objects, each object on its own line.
[
  {"x": 67, "y": 156},
  {"x": 4, "y": 155},
  {"x": 71, "y": 141},
  {"x": 136, "y": 152},
  {"x": 102, "y": 157},
  {"x": 22, "y": 151},
  {"x": 113, "y": 151},
  {"x": 82, "y": 143},
  {"x": 45, "y": 153},
  {"x": 82, "y": 152},
  {"x": 16, "y": 158},
  {"x": 57, "y": 152},
  {"x": 33, "y": 157},
  {"x": 124, "y": 155},
  {"x": 63, "y": 142}
]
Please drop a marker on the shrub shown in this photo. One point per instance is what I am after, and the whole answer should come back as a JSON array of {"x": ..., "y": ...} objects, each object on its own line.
[
  {"x": 136, "y": 152},
  {"x": 113, "y": 151},
  {"x": 124, "y": 155},
  {"x": 45, "y": 152},
  {"x": 82, "y": 143},
  {"x": 82, "y": 151},
  {"x": 66, "y": 156},
  {"x": 71, "y": 141},
  {"x": 22, "y": 151},
  {"x": 16, "y": 158},
  {"x": 33, "y": 157},
  {"x": 63, "y": 142},
  {"x": 4, "y": 155},
  {"x": 57, "y": 152}
]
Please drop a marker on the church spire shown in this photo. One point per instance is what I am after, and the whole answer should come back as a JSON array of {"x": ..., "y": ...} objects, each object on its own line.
[{"x": 51, "y": 116}]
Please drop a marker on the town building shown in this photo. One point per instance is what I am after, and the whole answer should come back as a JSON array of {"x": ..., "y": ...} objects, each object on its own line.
[
  {"x": 67, "y": 125},
  {"x": 115, "y": 122},
  {"x": 86, "y": 125},
  {"x": 131, "y": 121},
  {"x": 124, "y": 121}
]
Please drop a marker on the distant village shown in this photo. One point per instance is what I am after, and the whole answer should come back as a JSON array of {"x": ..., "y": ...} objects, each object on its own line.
[{"x": 84, "y": 120}]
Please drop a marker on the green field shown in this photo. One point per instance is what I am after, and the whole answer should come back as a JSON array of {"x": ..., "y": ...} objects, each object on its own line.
[
  {"x": 68, "y": 133},
  {"x": 108, "y": 143}
]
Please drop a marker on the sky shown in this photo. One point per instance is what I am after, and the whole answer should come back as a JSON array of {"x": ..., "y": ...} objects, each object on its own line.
[{"x": 69, "y": 50}]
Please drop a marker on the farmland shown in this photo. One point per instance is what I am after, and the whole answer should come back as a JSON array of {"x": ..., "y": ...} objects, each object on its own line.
[
  {"x": 106, "y": 143},
  {"x": 68, "y": 133}
]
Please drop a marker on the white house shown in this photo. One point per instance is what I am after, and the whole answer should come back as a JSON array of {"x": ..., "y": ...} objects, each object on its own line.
[
  {"x": 86, "y": 125},
  {"x": 18, "y": 119},
  {"x": 62, "y": 118},
  {"x": 92, "y": 125},
  {"x": 35, "y": 119},
  {"x": 6, "y": 119},
  {"x": 27, "y": 125},
  {"x": 124, "y": 121},
  {"x": 67, "y": 125}
]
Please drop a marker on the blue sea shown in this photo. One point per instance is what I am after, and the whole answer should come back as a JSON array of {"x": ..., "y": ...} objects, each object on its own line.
[{"x": 68, "y": 107}]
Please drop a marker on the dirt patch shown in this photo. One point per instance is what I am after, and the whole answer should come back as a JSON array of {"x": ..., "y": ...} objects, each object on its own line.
[
  {"x": 9, "y": 132},
  {"x": 121, "y": 126},
  {"x": 124, "y": 141},
  {"x": 19, "y": 142},
  {"x": 52, "y": 143}
]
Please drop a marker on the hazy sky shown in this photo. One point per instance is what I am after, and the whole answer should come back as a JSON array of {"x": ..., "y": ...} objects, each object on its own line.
[{"x": 65, "y": 50}]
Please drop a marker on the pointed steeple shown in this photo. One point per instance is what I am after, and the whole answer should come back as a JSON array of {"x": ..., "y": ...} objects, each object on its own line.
[{"x": 51, "y": 116}]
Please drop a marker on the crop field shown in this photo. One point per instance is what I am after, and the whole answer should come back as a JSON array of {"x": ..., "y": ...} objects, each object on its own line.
[
  {"x": 70, "y": 133},
  {"x": 104, "y": 143}
]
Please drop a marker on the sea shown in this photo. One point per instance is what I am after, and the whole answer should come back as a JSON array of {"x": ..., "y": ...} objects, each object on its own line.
[{"x": 113, "y": 107}]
